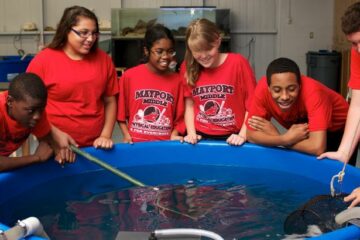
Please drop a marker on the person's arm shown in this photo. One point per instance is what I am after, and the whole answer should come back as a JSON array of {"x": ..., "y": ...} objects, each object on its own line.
[
  {"x": 240, "y": 138},
  {"x": 264, "y": 125},
  {"x": 104, "y": 140},
  {"x": 351, "y": 133},
  {"x": 191, "y": 136},
  {"x": 60, "y": 142},
  {"x": 175, "y": 136},
  {"x": 42, "y": 153},
  {"x": 315, "y": 144},
  {"x": 294, "y": 134},
  {"x": 354, "y": 197},
  {"x": 179, "y": 122},
  {"x": 125, "y": 132}
]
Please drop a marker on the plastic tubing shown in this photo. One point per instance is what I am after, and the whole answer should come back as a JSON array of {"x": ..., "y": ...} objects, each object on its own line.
[
  {"x": 347, "y": 215},
  {"x": 177, "y": 232},
  {"x": 107, "y": 166},
  {"x": 24, "y": 228}
]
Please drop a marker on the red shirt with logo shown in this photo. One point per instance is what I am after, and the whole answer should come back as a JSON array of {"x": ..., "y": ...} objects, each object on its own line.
[
  {"x": 222, "y": 96},
  {"x": 319, "y": 106},
  {"x": 12, "y": 134},
  {"x": 152, "y": 104},
  {"x": 354, "y": 81},
  {"x": 76, "y": 91}
]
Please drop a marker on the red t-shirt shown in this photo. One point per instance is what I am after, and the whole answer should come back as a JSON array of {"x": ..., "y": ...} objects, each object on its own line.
[
  {"x": 222, "y": 96},
  {"x": 76, "y": 91},
  {"x": 12, "y": 134},
  {"x": 354, "y": 81},
  {"x": 153, "y": 104},
  {"x": 319, "y": 106}
]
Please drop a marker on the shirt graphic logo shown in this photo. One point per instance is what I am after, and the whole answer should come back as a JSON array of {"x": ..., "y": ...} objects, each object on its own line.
[
  {"x": 216, "y": 113},
  {"x": 151, "y": 114},
  {"x": 152, "y": 117},
  {"x": 212, "y": 104},
  {"x": 211, "y": 108}
]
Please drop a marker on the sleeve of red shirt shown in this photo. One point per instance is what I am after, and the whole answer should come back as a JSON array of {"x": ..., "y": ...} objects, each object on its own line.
[
  {"x": 36, "y": 66},
  {"x": 112, "y": 87},
  {"x": 354, "y": 82},
  {"x": 179, "y": 123},
  {"x": 123, "y": 111},
  {"x": 258, "y": 105},
  {"x": 319, "y": 110},
  {"x": 186, "y": 87},
  {"x": 42, "y": 128},
  {"x": 249, "y": 81}
]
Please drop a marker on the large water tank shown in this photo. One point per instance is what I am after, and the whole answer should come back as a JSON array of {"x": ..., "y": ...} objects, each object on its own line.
[{"x": 324, "y": 66}]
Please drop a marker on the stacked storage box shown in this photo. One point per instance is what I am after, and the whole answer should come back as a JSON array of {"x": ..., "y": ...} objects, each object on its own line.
[{"x": 10, "y": 66}]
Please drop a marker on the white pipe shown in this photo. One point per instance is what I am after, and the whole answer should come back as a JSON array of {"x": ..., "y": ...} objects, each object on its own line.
[
  {"x": 187, "y": 232},
  {"x": 24, "y": 228},
  {"x": 347, "y": 215},
  {"x": 31, "y": 224},
  {"x": 14, "y": 233}
]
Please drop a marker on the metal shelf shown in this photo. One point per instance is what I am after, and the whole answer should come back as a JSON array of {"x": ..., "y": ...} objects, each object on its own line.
[{"x": 19, "y": 33}]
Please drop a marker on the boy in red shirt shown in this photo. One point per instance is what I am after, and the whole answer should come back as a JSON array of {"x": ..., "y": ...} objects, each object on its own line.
[
  {"x": 314, "y": 116},
  {"x": 21, "y": 114}
]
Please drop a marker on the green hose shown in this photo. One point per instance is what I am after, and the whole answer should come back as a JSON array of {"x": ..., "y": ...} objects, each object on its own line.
[{"x": 107, "y": 166}]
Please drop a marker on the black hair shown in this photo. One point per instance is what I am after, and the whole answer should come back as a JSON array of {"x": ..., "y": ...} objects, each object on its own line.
[
  {"x": 350, "y": 21},
  {"x": 68, "y": 20},
  {"x": 27, "y": 84},
  {"x": 153, "y": 34},
  {"x": 282, "y": 65}
]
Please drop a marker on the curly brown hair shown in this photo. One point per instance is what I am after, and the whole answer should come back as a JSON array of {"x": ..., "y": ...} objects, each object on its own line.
[{"x": 350, "y": 21}]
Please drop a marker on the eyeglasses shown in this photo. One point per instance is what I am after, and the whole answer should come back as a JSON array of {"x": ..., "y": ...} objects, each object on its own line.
[
  {"x": 85, "y": 34},
  {"x": 161, "y": 52}
]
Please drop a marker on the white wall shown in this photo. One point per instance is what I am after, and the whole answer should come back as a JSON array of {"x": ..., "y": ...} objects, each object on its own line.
[
  {"x": 253, "y": 20},
  {"x": 297, "y": 20},
  {"x": 266, "y": 22}
]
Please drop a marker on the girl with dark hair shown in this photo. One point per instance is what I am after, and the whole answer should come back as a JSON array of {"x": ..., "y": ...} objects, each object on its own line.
[
  {"x": 151, "y": 97},
  {"x": 219, "y": 87},
  {"x": 80, "y": 78}
]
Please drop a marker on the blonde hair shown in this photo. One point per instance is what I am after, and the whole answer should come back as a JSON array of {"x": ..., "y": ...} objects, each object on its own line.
[{"x": 201, "y": 35}]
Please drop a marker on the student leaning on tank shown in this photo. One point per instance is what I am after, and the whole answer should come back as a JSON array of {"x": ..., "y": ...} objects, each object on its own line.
[
  {"x": 81, "y": 80},
  {"x": 151, "y": 100},
  {"x": 218, "y": 87},
  {"x": 21, "y": 114},
  {"x": 313, "y": 115},
  {"x": 349, "y": 144}
]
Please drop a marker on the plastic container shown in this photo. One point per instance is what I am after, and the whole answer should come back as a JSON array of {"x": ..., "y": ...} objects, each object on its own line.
[
  {"x": 324, "y": 66},
  {"x": 11, "y": 66}
]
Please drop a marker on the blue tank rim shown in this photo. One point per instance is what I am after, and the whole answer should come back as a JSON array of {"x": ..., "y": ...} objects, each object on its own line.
[{"x": 205, "y": 152}]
